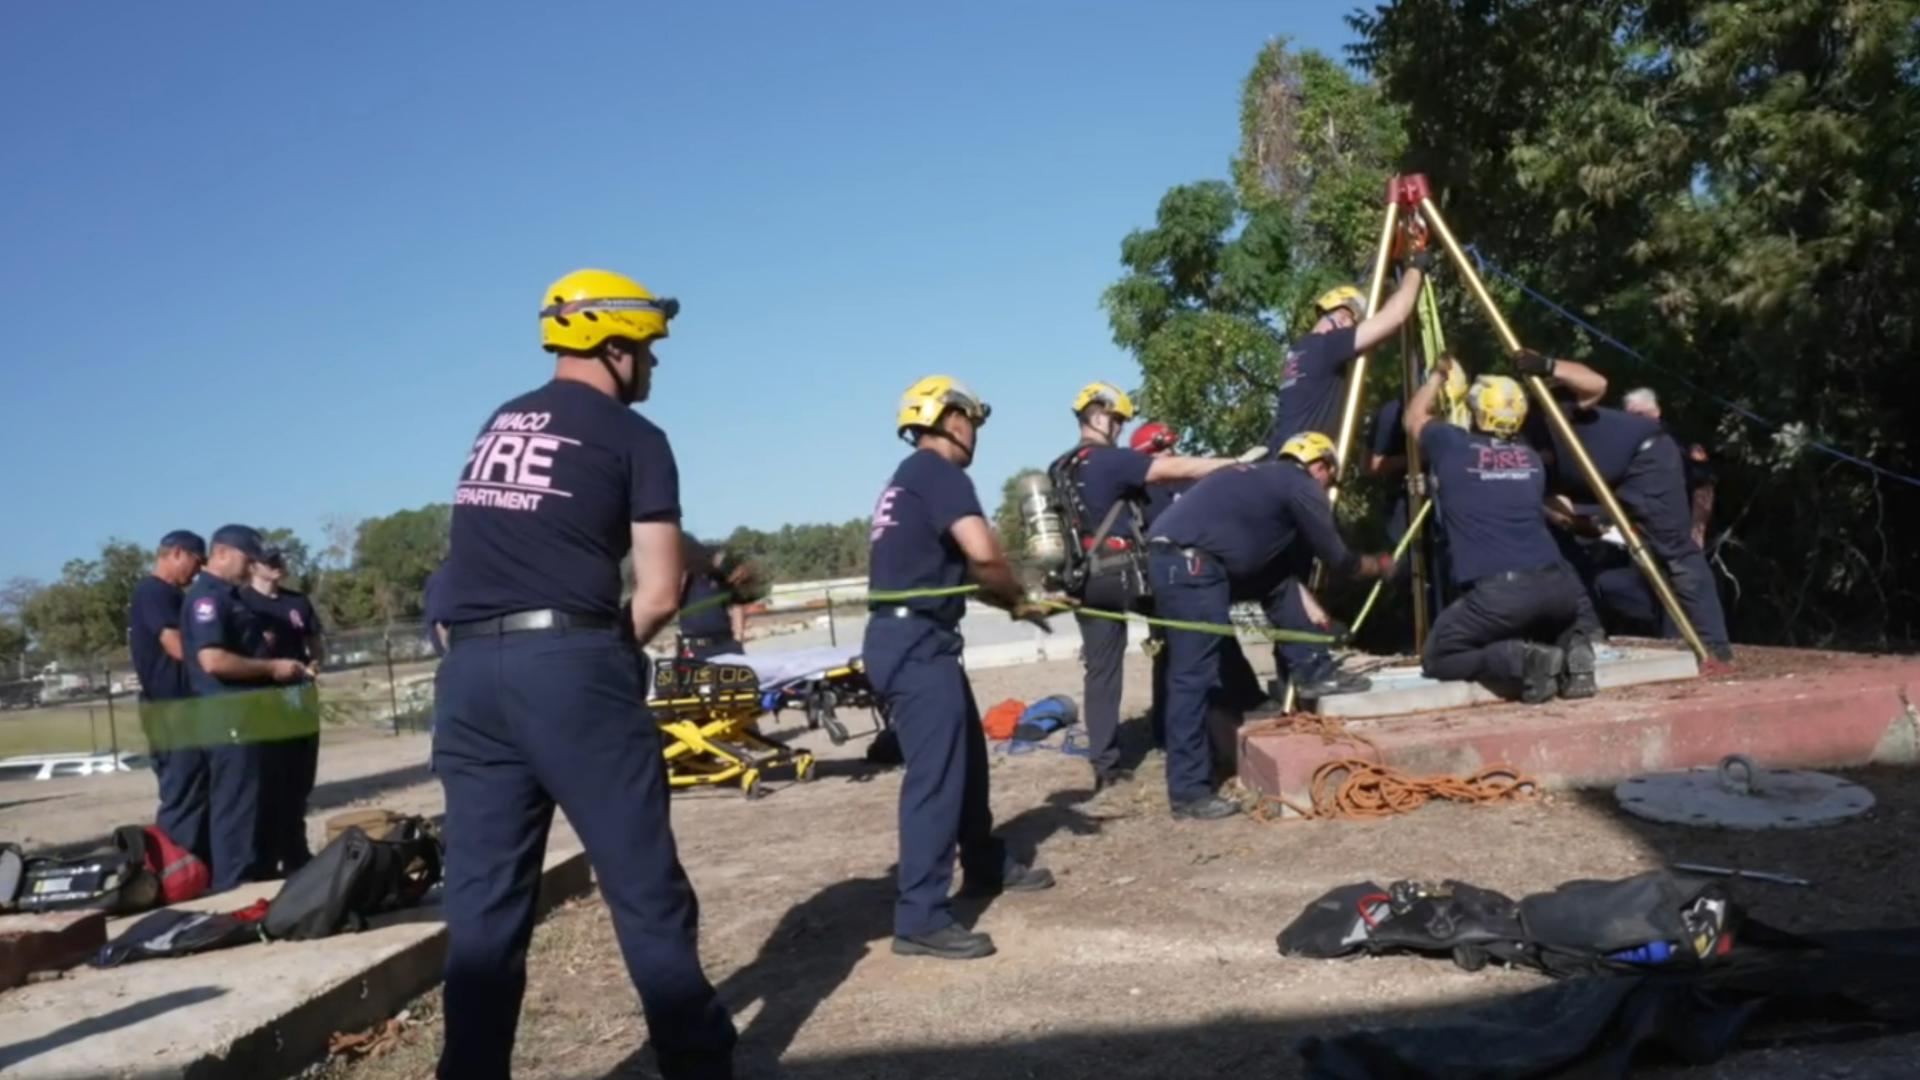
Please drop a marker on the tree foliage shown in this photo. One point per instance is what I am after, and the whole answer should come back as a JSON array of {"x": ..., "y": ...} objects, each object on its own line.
[
  {"x": 1226, "y": 273},
  {"x": 82, "y": 618},
  {"x": 805, "y": 552},
  {"x": 1730, "y": 187}
]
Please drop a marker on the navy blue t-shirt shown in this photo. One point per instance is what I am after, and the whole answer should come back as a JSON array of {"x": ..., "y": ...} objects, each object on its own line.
[
  {"x": 214, "y": 617},
  {"x": 1312, "y": 386},
  {"x": 1490, "y": 491},
  {"x": 1160, "y": 498},
  {"x": 1389, "y": 430},
  {"x": 1611, "y": 437},
  {"x": 713, "y": 620},
  {"x": 287, "y": 623},
  {"x": 1249, "y": 516},
  {"x": 543, "y": 512},
  {"x": 1107, "y": 475},
  {"x": 155, "y": 607},
  {"x": 911, "y": 544}
]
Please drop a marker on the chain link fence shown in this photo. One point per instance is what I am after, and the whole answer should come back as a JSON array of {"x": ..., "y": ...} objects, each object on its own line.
[{"x": 87, "y": 708}]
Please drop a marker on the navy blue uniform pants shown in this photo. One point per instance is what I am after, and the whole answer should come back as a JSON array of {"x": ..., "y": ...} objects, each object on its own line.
[
  {"x": 1654, "y": 492},
  {"x": 236, "y": 828},
  {"x": 914, "y": 664},
  {"x": 1286, "y": 609},
  {"x": 1190, "y": 588},
  {"x": 293, "y": 765},
  {"x": 524, "y": 722},
  {"x": 1103, "y": 653},
  {"x": 181, "y": 773},
  {"x": 1481, "y": 634}
]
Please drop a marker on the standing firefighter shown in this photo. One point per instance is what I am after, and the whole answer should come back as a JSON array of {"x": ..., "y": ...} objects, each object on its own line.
[
  {"x": 1313, "y": 380},
  {"x": 540, "y": 699},
  {"x": 159, "y": 658},
  {"x": 1515, "y": 621},
  {"x": 929, "y": 535},
  {"x": 1103, "y": 489},
  {"x": 291, "y": 630},
  {"x": 1240, "y": 534}
]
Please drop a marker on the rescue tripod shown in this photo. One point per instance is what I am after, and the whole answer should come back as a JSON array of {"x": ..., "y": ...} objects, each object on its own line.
[{"x": 1412, "y": 197}]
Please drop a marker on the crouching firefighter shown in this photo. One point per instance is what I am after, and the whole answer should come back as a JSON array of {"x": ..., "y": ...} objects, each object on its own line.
[
  {"x": 1240, "y": 534},
  {"x": 1516, "y": 621},
  {"x": 930, "y": 534},
  {"x": 1102, "y": 490}
]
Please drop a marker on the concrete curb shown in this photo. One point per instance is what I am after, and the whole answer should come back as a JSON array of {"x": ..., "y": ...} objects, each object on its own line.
[{"x": 255, "y": 1011}]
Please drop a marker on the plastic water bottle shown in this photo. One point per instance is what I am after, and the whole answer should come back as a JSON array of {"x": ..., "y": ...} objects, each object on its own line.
[{"x": 1653, "y": 952}]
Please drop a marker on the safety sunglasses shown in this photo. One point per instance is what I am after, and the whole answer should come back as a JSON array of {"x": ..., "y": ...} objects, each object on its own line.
[{"x": 667, "y": 306}]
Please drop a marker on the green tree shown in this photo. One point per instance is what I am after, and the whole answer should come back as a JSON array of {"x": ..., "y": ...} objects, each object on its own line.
[
  {"x": 1728, "y": 186},
  {"x": 81, "y": 619}
]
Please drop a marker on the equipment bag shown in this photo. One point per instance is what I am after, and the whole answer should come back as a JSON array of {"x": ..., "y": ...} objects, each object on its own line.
[
  {"x": 376, "y": 822},
  {"x": 117, "y": 882},
  {"x": 355, "y": 878},
  {"x": 1086, "y": 551},
  {"x": 1046, "y": 716},
  {"x": 183, "y": 876},
  {"x": 182, "y": 933},
  {"x": 13, "y": 868},
  {"x": 1000, "y": 720},
  {"x": 1654, "y": 920}
]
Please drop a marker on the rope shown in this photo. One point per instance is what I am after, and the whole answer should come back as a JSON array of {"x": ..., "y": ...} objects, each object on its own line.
[
  {"x": 892, "y": 596},
  {"x": 1398, "y": 551},
  {"x": 1487, "y": 265},
  {"x": 1352, "y": 788}
]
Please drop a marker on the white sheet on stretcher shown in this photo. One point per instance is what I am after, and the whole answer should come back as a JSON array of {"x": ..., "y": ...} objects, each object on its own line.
[{"x": 776, "y": 669}]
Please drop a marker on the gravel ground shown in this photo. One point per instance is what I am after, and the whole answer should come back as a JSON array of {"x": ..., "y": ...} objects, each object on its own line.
[{"x": 1155, "y": 955}]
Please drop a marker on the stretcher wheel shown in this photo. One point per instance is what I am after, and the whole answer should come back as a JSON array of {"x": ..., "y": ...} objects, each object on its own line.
[
  {"x": 803, "y": 768},
  {"x": 836, "y": 731},
  {"x": 750, "y": 784}
]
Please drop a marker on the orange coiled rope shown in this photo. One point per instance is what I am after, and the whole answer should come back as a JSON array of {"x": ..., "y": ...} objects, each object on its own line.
[{"x": 1353, "y": 788}]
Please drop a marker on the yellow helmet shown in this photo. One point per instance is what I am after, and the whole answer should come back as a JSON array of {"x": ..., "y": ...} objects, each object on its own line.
[
  {"x": 1099, "y": 393},
  {"x": 1342, "y": 296},
  {"x": 926, "y": 401},
  {"x": 1499, "y": 405},
  {"x": 587, "y": 307},
  {"x": 1309, "y": 447}
]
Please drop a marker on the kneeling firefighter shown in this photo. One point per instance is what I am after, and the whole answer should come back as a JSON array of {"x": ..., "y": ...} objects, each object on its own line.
[
  {"x": 1102, "y": 489},
  {"x": 929, "y": 534},
  {"x": 1240, "y": 534},
  {"x": 1516, "y": 619}
]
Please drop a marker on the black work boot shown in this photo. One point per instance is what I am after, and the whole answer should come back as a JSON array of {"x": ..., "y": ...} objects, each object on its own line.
[
  {"x": 1577, "y": 680},
  {"x": 1540, "y": 668},
  {"x": 1106, "y": 778},
  {"x": 1205, "y": 808},
  {"x": 1016, "y": 877},
  {"x": 950, "y": 942},
  {"x": 1334, "y": 682}
]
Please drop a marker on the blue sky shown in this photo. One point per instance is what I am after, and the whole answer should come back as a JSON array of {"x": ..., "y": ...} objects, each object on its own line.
[{"x": 275, "y": 262}]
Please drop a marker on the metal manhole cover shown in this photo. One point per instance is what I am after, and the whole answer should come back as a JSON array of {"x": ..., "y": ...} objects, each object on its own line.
[{"x": 1737, "y": 794}]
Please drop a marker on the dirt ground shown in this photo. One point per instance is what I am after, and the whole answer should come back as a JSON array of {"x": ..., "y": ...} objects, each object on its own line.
[{"x": 1155, "y": 955}]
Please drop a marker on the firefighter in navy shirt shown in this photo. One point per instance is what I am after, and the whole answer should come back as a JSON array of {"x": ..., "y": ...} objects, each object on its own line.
[
  {"x": 290, "y": 629},
  {"x": 1313, "y": 378},
  {"x": 154, "y": 639},
  {"x": 1516, "y": 619},
  {"x": 540, "y": 700},
  {"x": 1103, "y": 487},
  {"x": 1228, "y": 539},
  {"x": 929, "y": 535},
  {"x": 236, "y": 710},
  {"x": 1643, "y": 464},
  {"x": 709, "y": 625}
]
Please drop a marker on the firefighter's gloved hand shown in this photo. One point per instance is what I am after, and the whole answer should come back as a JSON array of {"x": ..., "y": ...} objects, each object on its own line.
[
  {"x": 1421, "y": 260},
  {"x": 1254, "y": 455},
  {"x": 1529, "y": 362},
  {"x": 1030, "y": 612}
]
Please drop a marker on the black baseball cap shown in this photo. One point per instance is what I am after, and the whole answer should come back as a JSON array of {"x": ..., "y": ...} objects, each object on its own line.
[
  {"x": 186, "y": 540},
  {"x": 275, "y": 558},
  {"x": 244, "y": 538}
]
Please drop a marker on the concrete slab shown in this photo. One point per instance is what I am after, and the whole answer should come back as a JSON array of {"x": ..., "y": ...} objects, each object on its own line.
[
  {"x": 256, "y": 1011},
  {"x": 1398, "y": 691},
  {"x": 52, "y": 941},
  {"x": 1785, "y": 710}
]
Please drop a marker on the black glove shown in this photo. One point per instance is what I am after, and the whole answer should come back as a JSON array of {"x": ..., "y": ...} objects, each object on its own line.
[
  {"x": 1528, "y": 362},
  {"x": 1421, "y": 261}
]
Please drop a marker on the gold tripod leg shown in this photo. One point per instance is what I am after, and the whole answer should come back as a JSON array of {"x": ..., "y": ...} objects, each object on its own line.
[
  {"x": 1412, "y": 370},
  {"x": 1356, "y": 383},
  {"x": 1635, "y": 545}
]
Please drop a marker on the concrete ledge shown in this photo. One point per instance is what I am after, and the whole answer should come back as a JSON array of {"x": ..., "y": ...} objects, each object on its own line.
[
  {"x": 261, "y": 1010},
  {"x": 1828, "y": 712},
  {"x": 52, "y": 941},
  {"x": 1398, "y": 691}
]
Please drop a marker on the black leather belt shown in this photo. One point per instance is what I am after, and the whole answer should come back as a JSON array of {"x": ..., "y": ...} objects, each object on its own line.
[
  {"x": 521, "y": 622},
  {"x": 1515, "y": 575}
]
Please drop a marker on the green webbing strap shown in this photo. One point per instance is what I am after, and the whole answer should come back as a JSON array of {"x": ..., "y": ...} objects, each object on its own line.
[
  {"x": 1398, "y": 551},
  {"x": 1222, "y": 629}
]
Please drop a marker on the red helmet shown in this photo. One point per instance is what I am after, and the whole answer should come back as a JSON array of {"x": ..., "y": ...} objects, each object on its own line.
[{"x": 1153, "y": 438}]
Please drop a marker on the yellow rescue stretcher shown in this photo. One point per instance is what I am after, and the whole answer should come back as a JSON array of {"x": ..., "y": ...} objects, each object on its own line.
[{"x": 709, "y": 715}]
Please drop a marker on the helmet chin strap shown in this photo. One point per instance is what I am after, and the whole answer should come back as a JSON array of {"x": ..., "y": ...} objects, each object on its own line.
[
  {"x": 965, "y": 448},
  {"x": 629, "y": 388}
]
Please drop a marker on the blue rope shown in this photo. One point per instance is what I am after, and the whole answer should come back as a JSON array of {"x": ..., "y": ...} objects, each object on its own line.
[{"x": 1485, "y": 265}]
